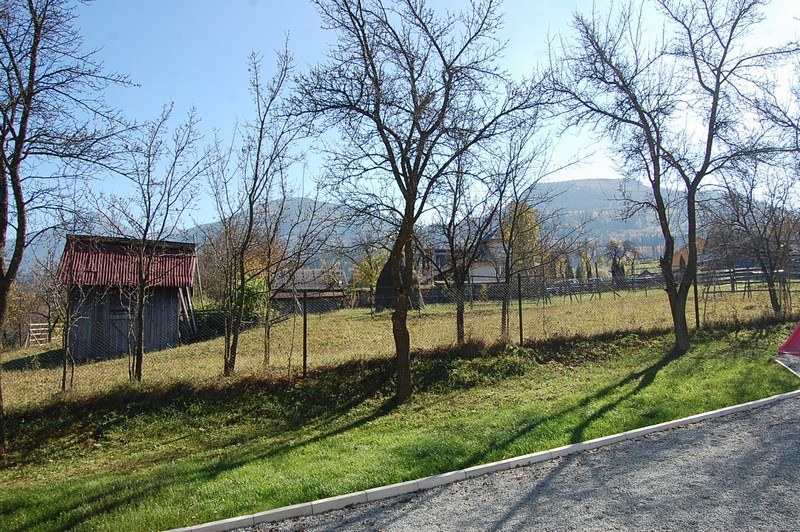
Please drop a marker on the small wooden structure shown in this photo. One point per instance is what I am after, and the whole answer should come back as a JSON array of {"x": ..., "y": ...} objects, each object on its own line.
[
  {"x": 102, "y": 276},
  {"x": 325, "y": 287}
]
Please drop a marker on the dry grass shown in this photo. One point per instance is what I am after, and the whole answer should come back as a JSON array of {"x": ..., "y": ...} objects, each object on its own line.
[{"x": 356, "y": 334}]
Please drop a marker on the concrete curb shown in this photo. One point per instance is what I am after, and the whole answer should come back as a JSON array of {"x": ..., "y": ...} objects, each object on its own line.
[
  {"x": 384, "y": 492},
  {"x": 785, "y": 365}
]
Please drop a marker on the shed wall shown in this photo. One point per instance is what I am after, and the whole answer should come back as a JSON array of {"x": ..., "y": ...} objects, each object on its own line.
[{"x": 102, "y": 324}]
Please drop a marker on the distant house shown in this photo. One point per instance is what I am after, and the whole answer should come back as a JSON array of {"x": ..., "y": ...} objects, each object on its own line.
[
  {"x": 101, "y": 273},
  {"x": 681, "y": 257},
  {"x": 486, "y": 268}
]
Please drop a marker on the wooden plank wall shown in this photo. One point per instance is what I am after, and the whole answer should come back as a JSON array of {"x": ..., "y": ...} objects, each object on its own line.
[{"x": 102, "y": 325}]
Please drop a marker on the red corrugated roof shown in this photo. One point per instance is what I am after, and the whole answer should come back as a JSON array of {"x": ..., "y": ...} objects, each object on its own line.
[{"x": 102, "y": 261}]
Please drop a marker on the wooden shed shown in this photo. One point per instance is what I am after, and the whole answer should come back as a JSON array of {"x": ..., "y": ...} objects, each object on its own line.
[{"x": 101, "y": 274}]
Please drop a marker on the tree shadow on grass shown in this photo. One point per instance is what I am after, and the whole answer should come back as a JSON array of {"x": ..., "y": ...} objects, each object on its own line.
[
  {"x": 36, "y": 432},
  {"x": 46, "y": 360},
  {"x": 78, "y": 506},
  {"x": 51, "y": 359},
  {"x": 643, "y": 378},
  {"x": 421, "y": 466},
  {"x": 73, "y": 507},
  {"x": 330, "y": 397},
  {"x": 283, "y": 405}
]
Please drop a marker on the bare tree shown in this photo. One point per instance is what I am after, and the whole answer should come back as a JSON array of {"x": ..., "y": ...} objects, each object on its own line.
[
  {"x": 42, "y": 283},
  {"x": 366, "y": 252},
  {"x": 409, "y": 92},
  {"x": 529, "y": 237},
  {"x": 160, "y": 166},
  {"x": 465, "y": 215},
  {"x": 52, "y": 112},
  {"x": 518, "y": 218},
  {"x": 678, "y": 107},
  {"x": 781, "y": 112},
  {"x": 54, "y": 303},
  {"x": 754, "y": 219},
  {"x": 588, "y": 254},
  {"x": 265, "y": 236},
  {"x": 242, "y": 188},
  {"x": 615, "y": 251},
  {"x": 631, "y": 252}
]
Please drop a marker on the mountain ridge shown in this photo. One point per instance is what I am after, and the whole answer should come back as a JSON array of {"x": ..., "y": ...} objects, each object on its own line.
[{"x": 594, "y": 203}]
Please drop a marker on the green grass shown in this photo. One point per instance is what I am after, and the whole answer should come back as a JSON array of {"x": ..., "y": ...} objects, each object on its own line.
[{"x": 168, "y": 454}]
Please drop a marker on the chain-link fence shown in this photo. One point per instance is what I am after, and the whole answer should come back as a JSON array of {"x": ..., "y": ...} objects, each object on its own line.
[{"x": 306, "y": 330}]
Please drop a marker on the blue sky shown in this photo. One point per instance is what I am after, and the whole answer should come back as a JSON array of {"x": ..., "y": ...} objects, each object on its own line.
[{"x": 193, "y": 52}]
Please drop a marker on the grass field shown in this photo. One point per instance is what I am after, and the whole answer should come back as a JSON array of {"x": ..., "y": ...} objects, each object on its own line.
[
  {"x": 356, "y": 334},
  {"x": 173, "y": 452}
]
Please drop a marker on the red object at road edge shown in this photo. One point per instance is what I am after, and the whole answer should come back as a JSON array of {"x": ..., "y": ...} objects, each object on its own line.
[{"x": 792, "y": 345}]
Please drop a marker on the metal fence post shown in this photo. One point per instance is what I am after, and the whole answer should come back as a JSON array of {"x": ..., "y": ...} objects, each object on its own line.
[
  {"x": 471, "y": 292},
  {"x": 305, "y": 333},
  {"x": 519, "y": 301}
]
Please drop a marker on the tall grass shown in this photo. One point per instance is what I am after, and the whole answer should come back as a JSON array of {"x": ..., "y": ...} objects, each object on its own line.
[{"x": 358, "y": 334}]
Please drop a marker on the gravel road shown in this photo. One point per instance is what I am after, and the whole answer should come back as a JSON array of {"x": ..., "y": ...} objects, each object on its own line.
[{"x": 738, "y": 472}]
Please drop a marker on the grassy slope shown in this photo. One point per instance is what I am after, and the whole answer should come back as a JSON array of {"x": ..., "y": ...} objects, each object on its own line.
[
  {"x": 171, "y": 455},
  {"x": 356, "y": 335}
]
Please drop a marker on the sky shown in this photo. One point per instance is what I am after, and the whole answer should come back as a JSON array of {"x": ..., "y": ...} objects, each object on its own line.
[{"x": 193, "y": 53}]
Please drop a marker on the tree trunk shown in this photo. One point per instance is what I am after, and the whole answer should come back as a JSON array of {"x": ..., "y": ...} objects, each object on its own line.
[
  {"x": 236, "y": 319},
  {"x": 401, "y": 279},
  {"x": 2, "y": 413},
  {"x": 230, "y": 360},
  {"x": 680, "y": 325},
  {"x": 65, "y": 342},
  {"x": 677, "y": 297},
  {"x": 505, "y": 309},
  {"x": 226, "y": 324},
  {"x": 138, "y": 357},
  {"x": 459, "y": 294},
  {"x": 402, "y": 344},
  {"x": 236, "y": 325},
  {"x": 678, "y": 294},
  {"x": 4, "y": 290},
  {"x": 774, "y": 299},
  {"x": 267, "y": 334}
]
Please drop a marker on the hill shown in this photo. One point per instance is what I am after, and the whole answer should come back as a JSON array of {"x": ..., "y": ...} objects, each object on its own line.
[
  {"x": 595, "y": 203},
  {"x": 599, "y": 205}
]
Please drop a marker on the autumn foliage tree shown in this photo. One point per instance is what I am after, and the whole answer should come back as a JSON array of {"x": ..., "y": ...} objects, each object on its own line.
[
  {"x": 464, "y": 216},
  {"x": 754, "y": 219},
  {"x": 160, "y": 166},
  {"x": 263, "y": 236}
]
